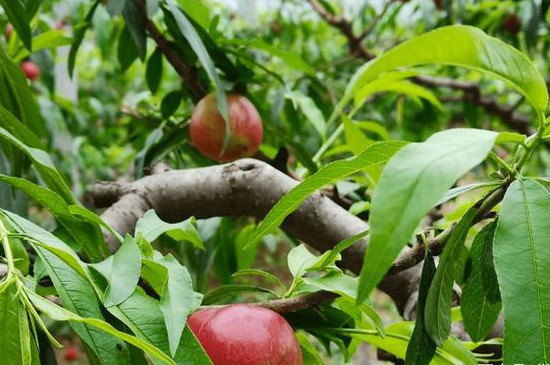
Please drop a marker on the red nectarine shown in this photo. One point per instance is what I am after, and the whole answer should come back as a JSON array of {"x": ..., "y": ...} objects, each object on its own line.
[
  {"x": 8, "y": 31},
  {"x": 31, "y": 70},
  {"x": 512, "y": 24},
  {"x": 207, "y": 128},
  {"x": 244, "y": 335}
]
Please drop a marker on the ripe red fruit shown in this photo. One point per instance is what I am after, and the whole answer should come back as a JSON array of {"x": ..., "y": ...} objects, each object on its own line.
[
  {"x": 30, "y": 69},
  {"x": 8, "y": 31},
  {"x": 207, "y": 128},
  {"x": 71, "y": 354},
  {"x": 512, "y": 24},
  {"x": 59, "y": 25},
  {"x": 245, "y": 335}
]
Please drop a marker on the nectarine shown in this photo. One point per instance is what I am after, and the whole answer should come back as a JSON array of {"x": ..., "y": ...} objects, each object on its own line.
[
  {"x": 207, "y": 128},
  {"x": 244, "y": 335}
]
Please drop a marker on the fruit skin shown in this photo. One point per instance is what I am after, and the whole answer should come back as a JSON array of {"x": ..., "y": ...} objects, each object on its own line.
[
  {"x": 207, "y": 128},
  {"x": 245, "y": 335},
  {"x": 71, "y": 354},
  {"x": 31, "y": 70},
  {"x": 8, "y": 31},
  {"x": 512, "y": 24}
]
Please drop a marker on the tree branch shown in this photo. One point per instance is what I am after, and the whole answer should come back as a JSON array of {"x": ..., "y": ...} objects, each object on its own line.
[
  {"x": 245, "y": 188},
  {"x": 187, "y": 73},
  {"x": 471, "y": 91}
]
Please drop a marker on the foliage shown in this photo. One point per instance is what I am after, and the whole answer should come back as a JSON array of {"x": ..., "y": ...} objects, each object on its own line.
[{"x": 391, "y": 108}]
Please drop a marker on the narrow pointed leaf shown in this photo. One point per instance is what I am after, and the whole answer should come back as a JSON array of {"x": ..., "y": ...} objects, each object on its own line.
[
  {"x": 421, "y": 348},
  {"x": 191, "y": 35},
  {"x": 480, "y": 306},
  {"x": 19, "y": 18},
  {"x": 59, "y": 314},
  {"x": 377, "y": 153},
  {"x": 451, "y": 265}
]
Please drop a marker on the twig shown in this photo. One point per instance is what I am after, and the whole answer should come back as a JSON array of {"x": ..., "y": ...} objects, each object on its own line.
[
  {"x": 375, "y": 21},
  {"x": 471, "y": 91},
  {"x": 436, "y": 244},
  {"x": 187, "y": 73},
  {"x": 302, "y": 302}
]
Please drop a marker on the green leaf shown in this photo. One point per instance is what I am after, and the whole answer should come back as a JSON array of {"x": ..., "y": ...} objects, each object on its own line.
[
  {"x": 479, "y": 305},
  {"x": 79, "y": 33},
  {"x": 18, "y": 129},
  {"x": 333, "y": 255},
  {"x": 459, "y": 190},
  {"x": 225, "y": 292},
  {"x": 451, "y": 264},
  {"x": 114, "y": 7},
  {"x": 399, "y": 86},
  {"x": 136, "y": 27},
  {"x": 86, "y": 234},
  {"x": 377, "y": 153},
  {"x": 292, "y": 59},
  {"x": 78, "y": 296},
  {"x": 43, "y": 164},
  {"x": 397, "y": 339},
  {"x": 346, "y": 286},
  {"x": 50, "y": 39},
  {"x": 421, "y": 348},
  {"x": 465, "y": 46},
  {"x": 178, "y": 300},
  {"x": 355, "y": 138},
  {"x": 143, "y": 316},
  {"x": 150, "y": 226},
  {"x": 39, "y": 237},
  {"x": 124, "y": 273},
  {"x": 19, "y": 99},
  {"x": 153, "y": 73},
  {"x": 310, "y": 110},
  {"x": 310, "y": 353},
  {"x": 300, "y": 259},
  {"x": 75, "y": 292},
  {"x": 521, "y": 256},
  {"x": 127, "y": 50},
  {"x": 15, "y": 345},
  {"x": 18, "y": 17},
  {"x": 411, "y": 183},
  {"x": 170, "y": 103},
  {"x": 191, "y": 35},
  {"x": 274, "y": 279},
  {"x": 59, "y": 314}
]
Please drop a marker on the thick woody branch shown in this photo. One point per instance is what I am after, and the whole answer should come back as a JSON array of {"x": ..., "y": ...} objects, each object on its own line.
[
  {"x": 246, "y": 188},
  {"x": 187, "y": 73}
]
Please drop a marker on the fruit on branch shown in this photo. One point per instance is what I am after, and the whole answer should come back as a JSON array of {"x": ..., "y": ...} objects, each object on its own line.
[
  {"x": 31, "y": 70},
  {"x": 71, "y": 354},
  {"x": 512, "y": 24},
  {"x": 9, "y": 30},
  {"x": 244, "y": 335},
  {"x": 207, "y": 128}
]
